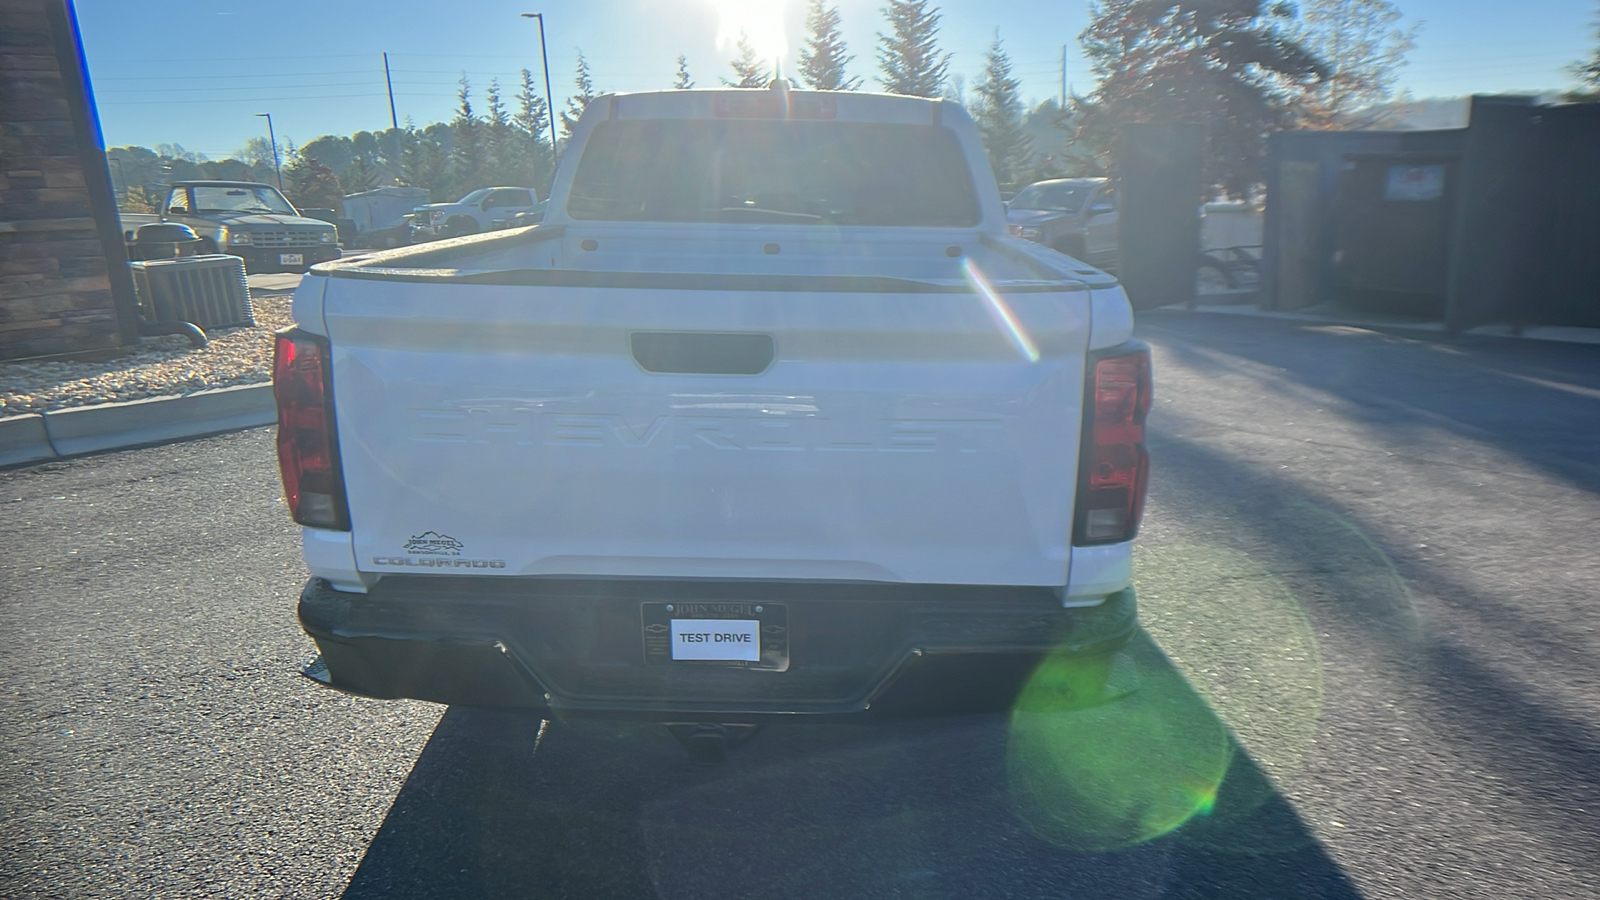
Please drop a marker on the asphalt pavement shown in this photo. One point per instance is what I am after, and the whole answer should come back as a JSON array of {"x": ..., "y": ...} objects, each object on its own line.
[{"x": 1368, "y": 586}]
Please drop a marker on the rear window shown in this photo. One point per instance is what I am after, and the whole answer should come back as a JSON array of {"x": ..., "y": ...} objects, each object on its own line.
[{"x": 778, "y": 171}]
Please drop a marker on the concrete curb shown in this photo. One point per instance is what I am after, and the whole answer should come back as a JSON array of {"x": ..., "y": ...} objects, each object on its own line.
[
  {"x": 24, "y": 440},
  {"x": 114, "y": 426}
]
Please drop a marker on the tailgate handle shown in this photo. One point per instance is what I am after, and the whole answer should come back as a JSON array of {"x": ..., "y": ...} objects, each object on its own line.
[{"x": 702, "y": 353}]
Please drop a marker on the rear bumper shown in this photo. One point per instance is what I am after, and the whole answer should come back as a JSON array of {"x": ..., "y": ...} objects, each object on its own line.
[{"x": 576, "y": 647}]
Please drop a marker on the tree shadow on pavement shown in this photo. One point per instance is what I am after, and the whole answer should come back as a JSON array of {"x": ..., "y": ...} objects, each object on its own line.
[
  {"x": 1491, "y": 666},
  {"x": 1538, "y": 400},
  {"x": 501, "y": 805}
]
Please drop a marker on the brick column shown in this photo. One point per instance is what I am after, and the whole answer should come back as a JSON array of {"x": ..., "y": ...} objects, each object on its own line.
[{"x": 64, "y": 285}]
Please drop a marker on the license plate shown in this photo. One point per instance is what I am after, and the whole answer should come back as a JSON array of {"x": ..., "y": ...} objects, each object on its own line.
[
  {"x": 291, "y": 259},
  {"x": 717, "y": 633}
]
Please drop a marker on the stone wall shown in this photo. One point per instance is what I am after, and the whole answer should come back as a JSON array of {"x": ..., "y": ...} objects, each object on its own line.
[{"x": 63, "y": 283}]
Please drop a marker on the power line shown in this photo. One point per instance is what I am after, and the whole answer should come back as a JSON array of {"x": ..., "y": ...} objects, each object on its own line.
[
  {"x": 234, "y": 88},
  {"x": 1413, "y": 67},
  {"x": 190, "y": 77},
  {"x": 176, "y": 59},
  {"x": 463, "y": 55},
  {"x": 241, "y": 100}
]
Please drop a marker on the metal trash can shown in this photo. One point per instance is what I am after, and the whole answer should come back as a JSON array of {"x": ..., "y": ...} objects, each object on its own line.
[{"x": 164, "y": 240}]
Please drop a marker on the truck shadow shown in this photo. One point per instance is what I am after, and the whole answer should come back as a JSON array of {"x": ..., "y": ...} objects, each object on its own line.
[{"x": 502, "y": 805}]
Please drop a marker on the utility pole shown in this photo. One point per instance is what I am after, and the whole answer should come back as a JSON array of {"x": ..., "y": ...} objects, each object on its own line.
[
  {"x": 550, "y": 101},
  {"x": 394, "y": 123},
  {"x": 1063, "y": 76},
  {"x": 273, "y": 138}
]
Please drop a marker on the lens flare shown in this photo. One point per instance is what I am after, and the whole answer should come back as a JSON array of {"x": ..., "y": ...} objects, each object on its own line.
[
  {"x": 1107, "y": 776},
  {"x": 1001, "y": 313},
  {"x": 759, "y": 22},
  {"x": 1228, "y": 706},
  {"x": 1238, "y": 635}
]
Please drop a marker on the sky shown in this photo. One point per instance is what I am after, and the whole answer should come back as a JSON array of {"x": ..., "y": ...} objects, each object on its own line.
[{"x": 195, "y": 74}]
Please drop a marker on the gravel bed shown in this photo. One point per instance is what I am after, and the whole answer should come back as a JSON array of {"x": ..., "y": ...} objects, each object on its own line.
[{"x": 157, "y": 367}]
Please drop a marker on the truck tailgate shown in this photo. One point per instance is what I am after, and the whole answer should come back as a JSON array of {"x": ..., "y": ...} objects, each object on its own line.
[{"x": 806, "y": 427}]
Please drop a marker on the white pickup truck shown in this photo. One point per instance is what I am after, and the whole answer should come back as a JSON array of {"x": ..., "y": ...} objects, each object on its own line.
[
  {"x": 769, "y": 416},
  {"x": 485, "y": 209}
]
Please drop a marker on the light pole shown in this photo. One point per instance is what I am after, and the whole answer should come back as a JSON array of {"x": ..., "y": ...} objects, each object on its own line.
[
  {"x": 550, "y": 101},
  {"x": 273, "y": 139}
]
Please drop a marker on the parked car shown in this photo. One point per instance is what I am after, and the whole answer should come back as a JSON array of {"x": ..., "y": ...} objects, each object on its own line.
[
  {"x": 734, "y": 435},
  {"x": 485, "y": 209},
  {"x": 1075, "y": 216},
  {"x": 252, "y": 221}
]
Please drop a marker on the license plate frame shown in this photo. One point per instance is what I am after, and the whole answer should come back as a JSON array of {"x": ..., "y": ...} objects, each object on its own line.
[
  {"x": 656, "y": 620},
  {"x": 291, "y": 259}
]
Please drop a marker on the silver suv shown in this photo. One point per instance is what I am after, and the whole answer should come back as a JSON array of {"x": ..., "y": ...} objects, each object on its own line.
[{"x": 1075, "y": 216}]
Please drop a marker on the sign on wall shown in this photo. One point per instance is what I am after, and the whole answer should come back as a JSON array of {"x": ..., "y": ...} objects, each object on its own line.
[{"x": 1415, "y": 183}]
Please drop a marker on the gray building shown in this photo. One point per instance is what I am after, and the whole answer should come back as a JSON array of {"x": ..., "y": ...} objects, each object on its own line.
[{"x": 1498, "y": 222}]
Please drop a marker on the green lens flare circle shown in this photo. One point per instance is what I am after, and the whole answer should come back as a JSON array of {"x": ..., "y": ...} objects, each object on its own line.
[{"x": 1100, "y": 776}]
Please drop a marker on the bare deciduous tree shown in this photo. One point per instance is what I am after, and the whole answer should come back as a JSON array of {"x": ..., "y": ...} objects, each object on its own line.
[{"x": 1362, "y": 47}]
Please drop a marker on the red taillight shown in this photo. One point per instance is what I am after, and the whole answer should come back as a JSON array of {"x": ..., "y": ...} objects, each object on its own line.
[
  {"x": 1114, "y": 467},
  {"x": 308, "y": 454}
]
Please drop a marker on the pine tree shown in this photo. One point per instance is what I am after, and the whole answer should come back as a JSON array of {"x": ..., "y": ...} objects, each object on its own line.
[
  {"x": 1049, "y": 128},
  {"x": 822, "y": 59},
  {"x": 1231, "y": 67},
  {"x": 997, "y": 110},
  {"x": 424, "y": 163},
  {"x": 334, "y": 151},
  {"x": 392, "y": 146},
  {"x": 580, "y": 101},
  {"x": 359, "y": 176},
  {"x": 747, "y": 68},
  {"x": 366, "y": 146},
  {"x": 532, "y": 123},
  {"x": 470, "y": 152},
  {"x": 501, "y": 151},
  {"x": 1588, "y": 71},
  {"x": 683, "y": 83},
  {"x": 909, "y": 58}
]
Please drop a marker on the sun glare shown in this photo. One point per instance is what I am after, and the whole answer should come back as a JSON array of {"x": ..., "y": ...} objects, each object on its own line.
[{"x": 761, "y": 23}]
